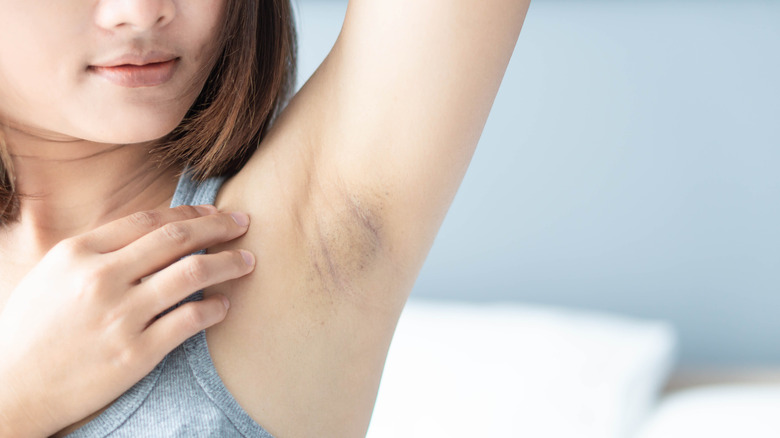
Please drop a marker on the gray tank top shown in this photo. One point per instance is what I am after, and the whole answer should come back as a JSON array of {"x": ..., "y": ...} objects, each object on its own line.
[{"x": 183, "y": 396}]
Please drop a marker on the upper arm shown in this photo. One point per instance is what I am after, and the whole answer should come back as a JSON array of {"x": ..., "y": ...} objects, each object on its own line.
[
  {"x": 346, "y": 195},
  {"x": 396, "y": 109}
]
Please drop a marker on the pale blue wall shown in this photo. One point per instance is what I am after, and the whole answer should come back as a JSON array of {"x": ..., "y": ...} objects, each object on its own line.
[{"x": 631, "y": 163}]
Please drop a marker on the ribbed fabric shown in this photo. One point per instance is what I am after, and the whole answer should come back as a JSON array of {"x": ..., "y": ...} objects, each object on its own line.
[{"x": 183, "y": 396}]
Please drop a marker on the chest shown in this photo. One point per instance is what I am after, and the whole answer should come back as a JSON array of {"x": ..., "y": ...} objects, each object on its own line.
[
  {"x": 222, "y": 343},
  {"x": 11, "y": 273},
  {"x": 228, "y": 351},
  {"x": 291, "y": 342},
  {"x": 227, "y": 354}
]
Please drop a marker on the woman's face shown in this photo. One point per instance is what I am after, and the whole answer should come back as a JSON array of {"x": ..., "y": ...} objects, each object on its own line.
[{"x": 64, "y": 69}]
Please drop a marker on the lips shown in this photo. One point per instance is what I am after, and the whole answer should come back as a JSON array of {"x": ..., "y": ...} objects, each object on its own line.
[{"x": 136, "y": 72}]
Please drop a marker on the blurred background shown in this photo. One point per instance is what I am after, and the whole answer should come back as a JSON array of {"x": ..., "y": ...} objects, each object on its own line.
[
  {"x": 629, "y": 165},
  {"x": 610, "y": 266}
]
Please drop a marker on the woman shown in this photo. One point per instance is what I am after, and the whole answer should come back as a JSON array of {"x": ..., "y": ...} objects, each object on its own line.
[{"x": 114, "y": 111}]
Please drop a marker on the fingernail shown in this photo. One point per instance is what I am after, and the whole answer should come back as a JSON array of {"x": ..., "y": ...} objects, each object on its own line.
[
  {"x": 249, "y": 259},
  {"x": 226, "y": 302},
  {"x": 241, "y": 218}
]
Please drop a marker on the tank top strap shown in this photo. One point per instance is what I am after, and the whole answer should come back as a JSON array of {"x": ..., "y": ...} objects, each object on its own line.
[
  {"x": 190, "y": 192},
  {"x": 183, "y": 396}
]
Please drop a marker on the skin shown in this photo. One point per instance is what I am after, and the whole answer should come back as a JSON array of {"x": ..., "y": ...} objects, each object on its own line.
[
  {"x": 61, "y": 122},
  {"x": 346, "y": 194}
]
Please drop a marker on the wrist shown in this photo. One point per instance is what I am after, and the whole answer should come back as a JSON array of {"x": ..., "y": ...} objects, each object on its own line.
[
  {"x": 16, "y": 418},
  {"x": 12, "y": 425}
]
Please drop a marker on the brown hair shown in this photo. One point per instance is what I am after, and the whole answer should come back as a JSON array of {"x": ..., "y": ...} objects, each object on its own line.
[{"x": 252, "y": 80}]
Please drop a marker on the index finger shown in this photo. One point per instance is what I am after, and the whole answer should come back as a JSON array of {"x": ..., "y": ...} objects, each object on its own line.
[{"x": 123, "y": 231}]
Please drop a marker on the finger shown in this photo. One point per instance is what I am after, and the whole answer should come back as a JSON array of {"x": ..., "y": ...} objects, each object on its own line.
[
  {"x": 172, "y": 241},
  {"x": 175, "y": 327},
  {"x": 121, "y": 232},
  {"x": 164, "y": 289}
]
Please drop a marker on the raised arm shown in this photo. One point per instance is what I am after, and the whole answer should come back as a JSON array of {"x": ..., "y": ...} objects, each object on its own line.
[
  {"x": 400, "y": 102},
  {"x": 346, "y": 196}
]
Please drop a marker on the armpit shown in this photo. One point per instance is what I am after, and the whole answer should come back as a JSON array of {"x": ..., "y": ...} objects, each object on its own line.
[{"x": 346, "y": 243}]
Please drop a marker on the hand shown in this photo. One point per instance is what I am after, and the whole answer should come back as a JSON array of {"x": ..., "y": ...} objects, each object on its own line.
[{"x": 80, "y": 328}]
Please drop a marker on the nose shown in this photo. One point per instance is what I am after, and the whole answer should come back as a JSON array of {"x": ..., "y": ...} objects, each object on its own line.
[{"x": 135, "y": 15}]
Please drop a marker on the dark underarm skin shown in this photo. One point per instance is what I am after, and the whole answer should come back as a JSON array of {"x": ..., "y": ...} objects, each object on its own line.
[{"x": 348, "y": 243}]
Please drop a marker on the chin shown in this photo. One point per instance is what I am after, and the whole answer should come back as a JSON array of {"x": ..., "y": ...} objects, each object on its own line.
[{"x": 133, "y": 130}]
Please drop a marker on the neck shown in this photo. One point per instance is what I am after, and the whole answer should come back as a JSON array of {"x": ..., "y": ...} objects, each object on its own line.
[{"x": 74, "y": 186}]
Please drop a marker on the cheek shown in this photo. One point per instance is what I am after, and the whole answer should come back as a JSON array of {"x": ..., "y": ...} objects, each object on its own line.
[
  {"x": 207, "y": 24},
  {"x": 44, "y": 81},
  {"x": 33, "y": 78},
  {"x": 39, "y": 58}
]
